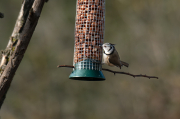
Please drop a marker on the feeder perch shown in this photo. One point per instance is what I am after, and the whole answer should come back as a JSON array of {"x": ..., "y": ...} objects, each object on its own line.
[{"x": 89, "y": 35}]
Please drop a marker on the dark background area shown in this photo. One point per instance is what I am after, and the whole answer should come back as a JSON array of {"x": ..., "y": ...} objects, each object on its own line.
[{"x": 147, "y": 36}]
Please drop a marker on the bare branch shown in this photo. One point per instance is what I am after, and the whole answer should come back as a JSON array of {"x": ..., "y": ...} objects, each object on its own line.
[
  {"x": 23, "y": 31},
  {"x": 114, "y": 72},
  {"x": 120, "y": 72},
  {"x": 68, "y": 66},
  {"x": 20, "y": 22}
]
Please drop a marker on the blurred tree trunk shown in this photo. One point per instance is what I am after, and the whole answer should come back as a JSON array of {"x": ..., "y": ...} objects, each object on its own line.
[{"x": 11, "y": 57}]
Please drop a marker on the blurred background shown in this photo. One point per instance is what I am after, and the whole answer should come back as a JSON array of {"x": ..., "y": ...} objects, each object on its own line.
[{"x": 147, "y": 36}]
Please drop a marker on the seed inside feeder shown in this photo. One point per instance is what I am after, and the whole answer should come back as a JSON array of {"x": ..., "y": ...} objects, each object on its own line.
[{"x": 89, "y": 30}]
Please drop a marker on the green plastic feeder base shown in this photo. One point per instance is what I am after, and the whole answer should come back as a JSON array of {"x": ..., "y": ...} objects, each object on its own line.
[{"x": 87, "y": 75}]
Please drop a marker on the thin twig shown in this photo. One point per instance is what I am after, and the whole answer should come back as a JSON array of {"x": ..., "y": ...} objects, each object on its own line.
[
  {"x": 69, "y": 66},
  {"x": 115, "y": 72},
  {"x": 120, "y": 72}
]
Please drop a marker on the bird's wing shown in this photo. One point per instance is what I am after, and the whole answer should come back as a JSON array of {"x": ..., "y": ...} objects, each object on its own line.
[{"x": 114, "y": 59}]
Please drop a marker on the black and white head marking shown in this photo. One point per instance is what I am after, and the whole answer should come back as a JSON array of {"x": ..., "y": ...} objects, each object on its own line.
[{"x": 108, "y": 48}]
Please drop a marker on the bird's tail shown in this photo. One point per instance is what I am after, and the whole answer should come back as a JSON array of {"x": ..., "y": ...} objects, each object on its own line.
[{"x": 125, "y": 64}]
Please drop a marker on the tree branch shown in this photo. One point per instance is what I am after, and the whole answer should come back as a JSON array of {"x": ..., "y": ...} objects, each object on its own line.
[
  {"x": 20, "y": 22},
  {"x": 23, "y": 31},
  {"x": 140, "y": 75},
  {"x": 114, "y": 72}
]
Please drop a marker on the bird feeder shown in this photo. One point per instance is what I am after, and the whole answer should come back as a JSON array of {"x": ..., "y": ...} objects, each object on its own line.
[{"x": 89, "y": 35}]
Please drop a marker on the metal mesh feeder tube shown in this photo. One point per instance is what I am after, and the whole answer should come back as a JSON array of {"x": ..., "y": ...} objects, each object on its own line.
[{"x": 89, "y": 35}]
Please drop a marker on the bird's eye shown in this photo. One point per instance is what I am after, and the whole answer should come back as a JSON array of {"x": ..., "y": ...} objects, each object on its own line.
[{"x": 104, "y": 46}]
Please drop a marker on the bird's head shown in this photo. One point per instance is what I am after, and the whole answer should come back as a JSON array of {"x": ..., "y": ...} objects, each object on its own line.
[{"x": 108, "y": 48}]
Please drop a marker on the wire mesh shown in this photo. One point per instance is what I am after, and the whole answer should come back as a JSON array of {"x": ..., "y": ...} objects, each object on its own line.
[{"x": 89, "y": 34}]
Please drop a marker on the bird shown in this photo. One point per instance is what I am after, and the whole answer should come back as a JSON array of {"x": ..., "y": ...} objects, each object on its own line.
[{"x": 111, "y": 56}]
